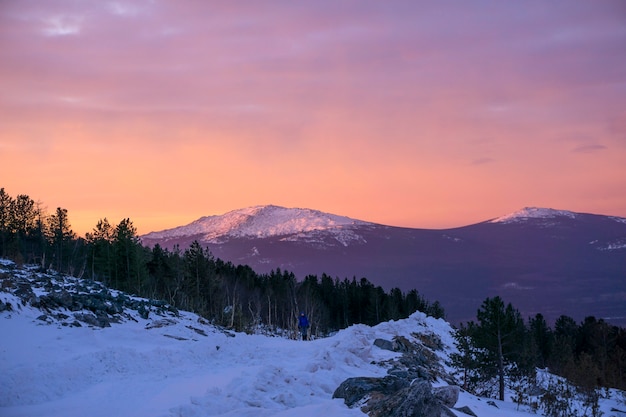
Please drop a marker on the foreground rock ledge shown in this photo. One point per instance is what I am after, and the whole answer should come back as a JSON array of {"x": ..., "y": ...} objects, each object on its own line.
[
  {"x": 406, "y": 391},
  {"x": 394, "y": 397}
]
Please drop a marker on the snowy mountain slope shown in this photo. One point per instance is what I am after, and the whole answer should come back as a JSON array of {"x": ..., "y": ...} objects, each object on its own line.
[
  {"x": 533, "y": 213},
  {"x": 176, "y": 364},
  {"x": 263, "y": 222}
]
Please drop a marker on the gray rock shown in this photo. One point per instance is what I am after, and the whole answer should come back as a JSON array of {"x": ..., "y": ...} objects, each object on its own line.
[
  {"x": 416, "y": 400},
  {"x": 448, "y": 395},
  {"x": 353, "y": 390},
  {"x": 62, "y": 299},
  {"x": 384, "y": 344},
  {"x": 396, "y": 397},
  {"x": 466, "y": 410},
  {"x": 94, "y": 303},
  {"x": 402, "y": 344},
  {"x": 400, "y": 373},
  {"x": 161, "y": 323},
  {"x": 100, "y": 320}
]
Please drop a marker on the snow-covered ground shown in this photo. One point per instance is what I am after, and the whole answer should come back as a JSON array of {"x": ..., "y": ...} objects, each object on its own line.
[{"x": 183, "y": 366}]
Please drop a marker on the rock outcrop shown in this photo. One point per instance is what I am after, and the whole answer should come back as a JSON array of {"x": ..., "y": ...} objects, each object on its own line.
[
  {"x": 394, "y": 397},
  {"x": 87, "y": 302},
  {"x": 407, "y": 390}
]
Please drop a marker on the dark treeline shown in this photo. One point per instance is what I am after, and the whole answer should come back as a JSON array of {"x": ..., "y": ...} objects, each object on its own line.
[
  {"x": 501, "y": 350},
  {"x": 591, "y": 353},
  {"x": 193, "y": 279}
]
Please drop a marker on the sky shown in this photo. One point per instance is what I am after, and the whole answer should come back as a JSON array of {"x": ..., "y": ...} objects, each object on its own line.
[{"x": 429, "y": 114}]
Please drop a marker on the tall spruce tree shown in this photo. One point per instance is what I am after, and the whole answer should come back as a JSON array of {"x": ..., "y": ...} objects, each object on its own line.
[
  {"x": 6, "y": 202},
  {"x": 130, "y": 268},
  {"x": 100, "y": 242},
  {"x": 562, "y": 355},
  {"x": 541, "y": 338},
  {"x": 199, "y": 277},
  {"x": 60, "y": 237},
  {"x": 465, "y": 360},
  {"x": 24, "y": 216}
]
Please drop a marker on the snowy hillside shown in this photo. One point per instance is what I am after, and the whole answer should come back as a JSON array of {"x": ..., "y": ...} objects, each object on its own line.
[
  {"x": 259, "y": 221},
  {"x": 149, "y": 360},
  {"x": 533, "y": 213}
]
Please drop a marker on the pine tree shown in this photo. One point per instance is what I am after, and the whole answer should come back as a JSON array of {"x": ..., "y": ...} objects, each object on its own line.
[
  {"x": 6, "y": 202},
  {"x": 199, "y": 273},
  {"x": 466, "y": 360},
  {"x": 542, "y": 339},
  {"x": 499, "y": 334},
  {"x": 130, "y": 268},
  {"x": 60, "y": 237},
  {"x": 562, "y": 356},
  {"x": 100, "y": 243}
]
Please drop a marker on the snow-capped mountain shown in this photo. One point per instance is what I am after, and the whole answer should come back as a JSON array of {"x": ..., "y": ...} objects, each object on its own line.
[
  {"x": 264, "y": 222},
  {"x": 542, "y": 260},
  {"x": 534, "y": 213}
]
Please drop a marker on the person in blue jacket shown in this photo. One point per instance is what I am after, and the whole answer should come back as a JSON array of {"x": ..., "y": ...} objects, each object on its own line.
[{"x": 303, "y": 325}]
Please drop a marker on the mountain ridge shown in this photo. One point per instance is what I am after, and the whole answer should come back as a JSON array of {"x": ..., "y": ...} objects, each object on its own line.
[
  {"x": 272, "y": 220},
  {"x": 259, "y": 221},
  {"x": 534, "y": 213},
  {"x": 541, "y": 260}
]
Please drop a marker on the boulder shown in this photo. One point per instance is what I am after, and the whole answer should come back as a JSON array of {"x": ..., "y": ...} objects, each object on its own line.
[
  {"x": 99, "y": 320},
  {"x": 448, "y": 395},
  {"x": 94, "y": 303},
  {"x": 391, "y": 396},
  {"x": 384, "y": 344},
  {"x": 62, "y": 299},
  {"x": 417, "y": 400},
  {"x": 353, "y": 390},
  {"x": 402, "y": 344}
]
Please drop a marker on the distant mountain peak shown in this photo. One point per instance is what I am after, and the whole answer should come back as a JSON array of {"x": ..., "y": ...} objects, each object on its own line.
[
  {"x": 259, "y": 222},
  {"x": 534, "y": 213}
]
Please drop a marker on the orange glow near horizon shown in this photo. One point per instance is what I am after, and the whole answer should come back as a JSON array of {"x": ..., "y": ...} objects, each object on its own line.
[{"x": 402, "y": 114}]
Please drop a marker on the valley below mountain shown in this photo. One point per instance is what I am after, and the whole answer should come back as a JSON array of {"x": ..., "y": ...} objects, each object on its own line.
[{"x": 546, "y": 261}]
